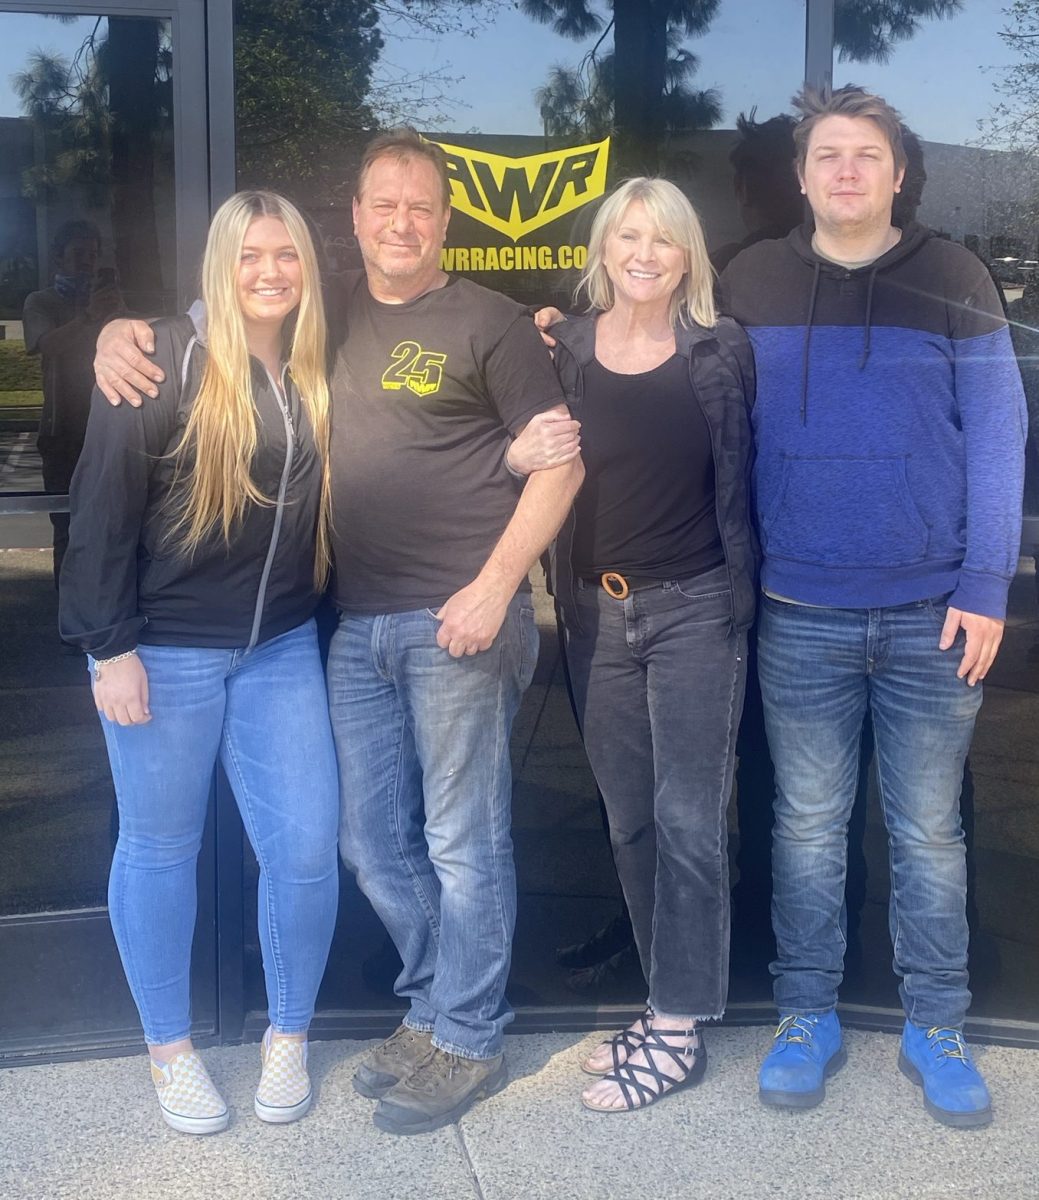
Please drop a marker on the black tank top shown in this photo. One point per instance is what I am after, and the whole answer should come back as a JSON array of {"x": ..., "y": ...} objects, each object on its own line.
[{"x": 647, "y": 504}]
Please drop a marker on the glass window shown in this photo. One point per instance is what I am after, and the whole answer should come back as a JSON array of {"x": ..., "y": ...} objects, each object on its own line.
[
  {"x": 537, "y": 125},
  {"x": 964, "y": 84},
  {"x": 86, "y": 231}
]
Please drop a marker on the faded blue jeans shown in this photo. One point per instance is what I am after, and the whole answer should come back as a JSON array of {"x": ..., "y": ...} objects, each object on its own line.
[
  {"x": 822, "y": 670},
  {"x": 426, "y": 794},
  {"x": 264, "y": 714},
  {"x": 658, "y": 683}
]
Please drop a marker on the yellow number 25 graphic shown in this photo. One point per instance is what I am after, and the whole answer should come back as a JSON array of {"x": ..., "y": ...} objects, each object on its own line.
[{"x": 414, "y": 368}]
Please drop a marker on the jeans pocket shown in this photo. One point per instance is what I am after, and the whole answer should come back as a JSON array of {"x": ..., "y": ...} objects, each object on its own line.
[
  {"x": 687, "y": 588},
  {"x": 712, "y": 584}
]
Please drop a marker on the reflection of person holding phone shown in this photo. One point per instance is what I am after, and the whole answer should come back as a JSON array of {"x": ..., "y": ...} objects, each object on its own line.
[{"x": 61, "y": 325}]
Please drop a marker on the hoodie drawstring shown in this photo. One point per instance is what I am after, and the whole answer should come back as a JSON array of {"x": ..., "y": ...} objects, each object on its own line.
[
  {"x": 807, "y": 343},
  {"x": 866, "y": 337},
  {"x": 869, "y": 317}
]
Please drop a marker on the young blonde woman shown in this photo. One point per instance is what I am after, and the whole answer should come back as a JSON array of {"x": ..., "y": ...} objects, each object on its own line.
[
  {"x": 654, "y": 579},
  {"x": 197, "y": 553}
]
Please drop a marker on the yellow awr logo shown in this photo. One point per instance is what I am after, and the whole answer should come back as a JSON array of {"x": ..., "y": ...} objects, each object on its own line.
[{"x": 515, "y": 196}]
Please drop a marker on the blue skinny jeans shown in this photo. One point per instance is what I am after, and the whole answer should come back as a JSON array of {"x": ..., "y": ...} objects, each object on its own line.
[{"x": 264, "y": 714}]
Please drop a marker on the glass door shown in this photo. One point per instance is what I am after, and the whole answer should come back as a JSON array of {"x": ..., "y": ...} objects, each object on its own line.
[{"x": 103, "y": 198}]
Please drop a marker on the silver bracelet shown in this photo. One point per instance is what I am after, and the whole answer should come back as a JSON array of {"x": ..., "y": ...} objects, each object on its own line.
[{"x": 104, "y": 662}]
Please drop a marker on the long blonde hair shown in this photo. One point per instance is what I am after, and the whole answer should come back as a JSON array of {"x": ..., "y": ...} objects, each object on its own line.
[
  {"x": 216, "y": 450},
  {"x": 693, "y": 299}
]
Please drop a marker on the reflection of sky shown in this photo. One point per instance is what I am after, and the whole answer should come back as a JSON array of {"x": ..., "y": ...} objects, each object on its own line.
[
  {"x": 503, "y": 66},
  {"x": 942, "y": 80},
  {"x": 20, "y": 35}
]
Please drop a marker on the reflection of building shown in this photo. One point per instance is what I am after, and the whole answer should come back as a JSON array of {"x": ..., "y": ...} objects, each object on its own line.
[
  {"x": 971, "y": 193},
  {"x": 983, "y": 194}
]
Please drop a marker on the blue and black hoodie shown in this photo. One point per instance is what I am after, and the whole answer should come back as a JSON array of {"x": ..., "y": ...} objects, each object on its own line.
[{"x": 889, "y": 421}]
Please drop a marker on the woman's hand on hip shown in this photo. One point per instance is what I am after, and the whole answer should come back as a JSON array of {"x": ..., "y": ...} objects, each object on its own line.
[{"x": 121, "y": 693}]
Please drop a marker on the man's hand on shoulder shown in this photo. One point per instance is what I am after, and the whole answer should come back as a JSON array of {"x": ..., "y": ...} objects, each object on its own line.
[
  {"x": 984, "y": 635},
  {"x": 122, "y": 369},
  {"x": 472, "y": 618}
]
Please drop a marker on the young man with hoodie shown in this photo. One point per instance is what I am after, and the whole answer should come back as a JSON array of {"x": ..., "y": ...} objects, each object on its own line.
[{"x": 890, "y": 429}]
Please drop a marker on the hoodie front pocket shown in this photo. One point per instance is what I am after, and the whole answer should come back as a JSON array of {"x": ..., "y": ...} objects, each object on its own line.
[{"x": 844, "y": 512}]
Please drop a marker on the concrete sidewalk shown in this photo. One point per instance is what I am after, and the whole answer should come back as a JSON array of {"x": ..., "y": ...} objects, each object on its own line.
[{"x": 91, "y": 1131}]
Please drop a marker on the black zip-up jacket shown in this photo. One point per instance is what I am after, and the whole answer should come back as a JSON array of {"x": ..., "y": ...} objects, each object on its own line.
[
  {"x": 721, "y": 373},
  {"x": 122, "y": 582}
]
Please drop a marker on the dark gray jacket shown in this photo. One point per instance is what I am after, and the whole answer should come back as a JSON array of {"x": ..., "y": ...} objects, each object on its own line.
[
  {"x": 721, "y": 372},
  {"x": 122, "y": 582}
]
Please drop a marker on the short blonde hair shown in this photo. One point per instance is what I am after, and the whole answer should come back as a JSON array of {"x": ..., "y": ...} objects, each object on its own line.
[{"x": 669, "y": 208}]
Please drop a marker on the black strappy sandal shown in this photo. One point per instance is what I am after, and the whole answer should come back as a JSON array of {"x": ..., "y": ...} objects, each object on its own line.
[
  {"x": 622, "y": 1046},
  {"x": 635, "y": 1092}
]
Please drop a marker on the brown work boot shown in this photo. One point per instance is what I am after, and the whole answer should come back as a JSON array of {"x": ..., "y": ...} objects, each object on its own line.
[
  {"x": 440, "y": 1090},
  {"x": 392, "y": 1061}
]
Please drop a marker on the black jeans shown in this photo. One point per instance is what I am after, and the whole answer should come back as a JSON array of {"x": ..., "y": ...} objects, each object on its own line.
[{"x": 658, "y": 680}]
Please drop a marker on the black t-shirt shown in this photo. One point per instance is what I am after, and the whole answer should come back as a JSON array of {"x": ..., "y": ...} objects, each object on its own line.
[
  {"x": 424, "y": 398},
  {"x": 647, "y": 505}
]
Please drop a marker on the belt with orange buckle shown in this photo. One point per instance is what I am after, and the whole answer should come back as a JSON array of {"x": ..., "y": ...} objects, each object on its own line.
[{"x": 619, "y": 586}]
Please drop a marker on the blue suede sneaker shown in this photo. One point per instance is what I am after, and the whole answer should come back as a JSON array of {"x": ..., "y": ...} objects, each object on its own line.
[
  {"x": 806, "y": 1050},
  {"x": 938, "y": 1061}
]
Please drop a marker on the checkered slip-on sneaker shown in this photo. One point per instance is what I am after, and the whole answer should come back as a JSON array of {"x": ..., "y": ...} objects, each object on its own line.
[
  {"x": 284, "y": 1093},
  {"x": 188, "y": 1098}
]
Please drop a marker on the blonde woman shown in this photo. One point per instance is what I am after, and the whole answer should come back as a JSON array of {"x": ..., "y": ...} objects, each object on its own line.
[
  {"x": 197, "y": 553},
  {"x": 654, "y": 581}
]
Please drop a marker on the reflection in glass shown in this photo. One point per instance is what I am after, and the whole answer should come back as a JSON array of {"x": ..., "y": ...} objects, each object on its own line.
[
  {"x": 963, "y": 86},
  {"x": 87, "y": 230},
  {"x": 573, "y": 943},
  {"x": 86, "y": 199},
  {"x": 56, "y": 798},
  {"x": 688, "y": 107}
]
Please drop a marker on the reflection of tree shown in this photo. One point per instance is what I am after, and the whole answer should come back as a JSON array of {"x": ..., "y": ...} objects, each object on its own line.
[
  {"x": 579, "y": 101},
  {"x": 311, "y": 76},
  {"x": 1014, "y": 123},
  {"x": 867, "y": 30},
  {"x": 302, "y": 75},
  {"x": 308, "y": 78},
  {"x": 412, "y": 90},
  {"x": 138, "y": 104},
  {"x": 643, "y": 87},
  {"x": 100, "y": 118}
]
